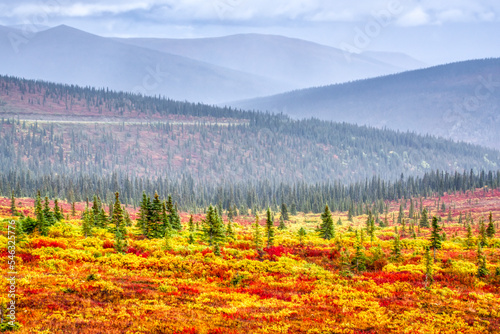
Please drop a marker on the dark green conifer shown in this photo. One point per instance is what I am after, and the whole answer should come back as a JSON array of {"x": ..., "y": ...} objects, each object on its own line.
[
  {"x": 490, "y": 231},
  {"x": 424, "y": 220},
  {"x": 57, "y": 211},
  {"x": 213, "y": 230},
  {"x": 435, "y": 238},
  {"x": 229, "y": 231},
  {"x": 396, "y": 249},
  {"x": 41, "y": 223},
  {"x": 284, "y": 212},
  {"x": 482, "y": 233},
  {"x": 482, "y": 270},
  {"x": 87, "y": 223},
  {"x": 257, "y": 235},
  {"x": 118, "y": 222},
  {"x": 13, "y": 210},
  {"x": 282, "y": 225},
  {"x": 302, "y": 233},
  {"x": 269, "y": 229},
  {"x": 327, "y": 228},
  {"x": 47, "y": 213}
]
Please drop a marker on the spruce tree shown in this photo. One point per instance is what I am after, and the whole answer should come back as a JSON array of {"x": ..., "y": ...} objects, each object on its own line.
[
  {"x": 57, "y": 211},
  {"x": 96, "y": 209},
  {"x": 424, "y": 220},
  {"x": 284, "y": 212},
  {"x": 73, "y": 209},
  {"x": 176, "y": 219},
  {"x": 217, "y": 249},
  {"x": 490, "y": 231},
  {"x": 282, "y": 225},
  {"x": 47, "y": 213},
  {"x": 213, "y": 230},
  {"x": 435, "y": 236},
  {"x": 118, "y": 222},
  {"x": 191, "y": 229},
  {"x": 173, "y": 217},
  {"x": 87, "y": 223},
  {"x": 396, "y": 249},
  {"x": 128, "y": 221},
  {"x": 144, "y": 215},
  {"x": 400, "y": 214},
  {"x": 482, "y": 233},
  {"x": 327, "y": 228},
  {"x": 269, "y": 229},
  {"x": 293, "y": 209},
  {"x": 302, "y": 233},
  {"x": 154, "y": 224},
  {"x": 168, "y": 237},
  {"x": 191, "y": 226},
  {"x": 229, "y": 230},
  {"x": 257, "y": 235},
  {"x": 469, "y": 241},
  {"x": 370, "y": 226},
  {"x": 482, "y": 270},
  {"x": 13, "y": 210},
  {"x": 41, "y": 223},
  {"x": 230, "y": 214},
  {"x": 359, "y": 260}
]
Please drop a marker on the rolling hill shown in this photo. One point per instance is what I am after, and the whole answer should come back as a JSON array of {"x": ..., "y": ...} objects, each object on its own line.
[
  {"x": 460, "y": 101},
  {"x": 77, "y": 131}
]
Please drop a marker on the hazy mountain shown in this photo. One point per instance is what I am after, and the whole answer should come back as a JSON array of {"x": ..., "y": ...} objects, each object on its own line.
[
  {"x": 67, "y": 55},
  {"x": 460, "y": 101},
  {"x": 397, "y": 59},
  {"x": 298, "y": 62}
]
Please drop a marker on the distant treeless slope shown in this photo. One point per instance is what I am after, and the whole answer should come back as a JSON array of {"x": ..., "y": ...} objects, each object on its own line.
[
  {"x": 295, "y": 61},
  {"x": 460, "y": 101},
  {"x": 67, "y": 55}
]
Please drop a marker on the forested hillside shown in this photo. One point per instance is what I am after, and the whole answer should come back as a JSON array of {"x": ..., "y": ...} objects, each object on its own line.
[
  {"x": 49, "y": 128},
  {"x": 73, "y": 142}
]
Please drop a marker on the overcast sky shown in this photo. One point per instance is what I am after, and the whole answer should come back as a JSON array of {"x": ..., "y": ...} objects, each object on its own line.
[{"x": 434, "y": 31}]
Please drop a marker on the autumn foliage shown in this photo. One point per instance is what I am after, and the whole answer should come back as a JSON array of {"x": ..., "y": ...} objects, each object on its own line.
[{"x": 68, "y": 283}]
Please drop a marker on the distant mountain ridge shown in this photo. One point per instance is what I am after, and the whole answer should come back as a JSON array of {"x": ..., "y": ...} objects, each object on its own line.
[
  {"x": 67, "y": 55},
  {"x": 299, "y": 62},
  {"x": 209, "y": 70},
  {"x": 460, "y": 101}
]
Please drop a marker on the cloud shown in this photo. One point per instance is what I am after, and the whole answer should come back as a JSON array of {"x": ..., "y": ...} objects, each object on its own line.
[
  {"x": 415, "y": 17},
  {"x": 247, "y": 12}
]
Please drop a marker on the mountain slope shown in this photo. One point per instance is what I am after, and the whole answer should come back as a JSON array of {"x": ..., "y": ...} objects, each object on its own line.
[
  {"x": 68, "y": 55},
  {"x": 299, "y": 62},
  {"x": 84, "y": 131},
  {"x": 460, "y": 101}
]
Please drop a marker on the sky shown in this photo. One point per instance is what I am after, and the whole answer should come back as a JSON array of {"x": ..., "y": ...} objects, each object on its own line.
[{"x": 434, "y": 31}]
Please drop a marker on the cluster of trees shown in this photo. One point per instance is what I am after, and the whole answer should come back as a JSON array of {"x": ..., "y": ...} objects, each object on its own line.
[
  {"x": 45, "y": 215},
  {"x": 157, "y": 217}
]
